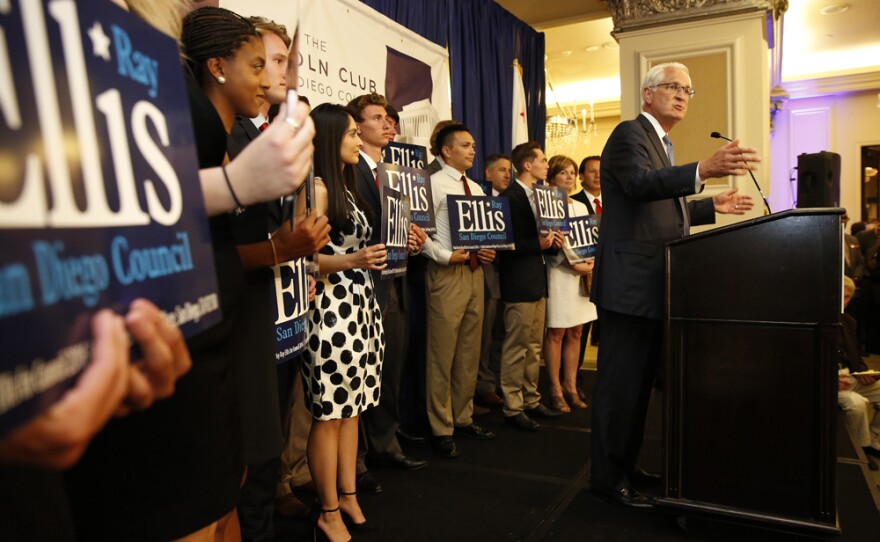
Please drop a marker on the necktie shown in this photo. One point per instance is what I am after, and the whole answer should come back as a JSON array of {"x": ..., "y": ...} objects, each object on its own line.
[
  {"x": 682, "y": 206},
  {"x": 264, "y": 126},
  {"x": 376, "y": 176},
  {"x": 597, "y": 205},
  {"x": 472, "y": 261},
  {"x": 670, "y": 150}
]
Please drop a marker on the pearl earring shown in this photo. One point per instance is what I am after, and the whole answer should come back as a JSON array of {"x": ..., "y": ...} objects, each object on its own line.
[{"x": 221, "y": 79}]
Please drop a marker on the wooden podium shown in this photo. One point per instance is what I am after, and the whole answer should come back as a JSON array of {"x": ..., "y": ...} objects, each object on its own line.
[{"x": 751, "y": 374}]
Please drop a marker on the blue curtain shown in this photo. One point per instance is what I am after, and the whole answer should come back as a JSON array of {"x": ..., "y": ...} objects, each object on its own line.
[
  {"x": 483, "y": 40},
  {"x": 427, "y": 18}
]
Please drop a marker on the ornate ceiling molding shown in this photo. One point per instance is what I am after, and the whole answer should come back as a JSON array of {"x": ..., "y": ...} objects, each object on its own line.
[{"x": 637, "y": 14}]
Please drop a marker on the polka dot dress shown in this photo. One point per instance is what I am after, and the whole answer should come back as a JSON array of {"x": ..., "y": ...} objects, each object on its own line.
[{"x": 346, "y": 341}]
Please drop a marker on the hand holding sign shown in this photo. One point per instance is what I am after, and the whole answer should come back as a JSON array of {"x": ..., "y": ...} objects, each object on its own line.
[
  {"x": 486, "y": 255},
  {"x": 371, "y": 257},
  {"x": 417, "y": 238},
  {"x": 165, "y": 357},
  {"x": 58, "y": 437},
  {"x": 312, "y": 232},
  {"x": 108, "y": 386},
  {"x": 585, "y": 267},
  {"x": 459, "y": 256},
  {"x": 278, "y": 160}
]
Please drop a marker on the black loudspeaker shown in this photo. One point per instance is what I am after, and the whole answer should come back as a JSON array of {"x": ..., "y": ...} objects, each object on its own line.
[{"x": 818, "y": 180}]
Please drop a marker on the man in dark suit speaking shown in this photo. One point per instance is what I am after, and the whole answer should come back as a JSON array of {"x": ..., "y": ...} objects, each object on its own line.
[{"x": 644, "y": 206}]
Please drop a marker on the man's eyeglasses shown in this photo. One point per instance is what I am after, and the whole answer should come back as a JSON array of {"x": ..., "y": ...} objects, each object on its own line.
[{"x": 675, "y": 87}]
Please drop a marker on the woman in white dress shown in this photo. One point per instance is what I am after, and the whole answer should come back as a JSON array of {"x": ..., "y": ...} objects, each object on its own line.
[
  {"x": 343, "y": 364},
  {"x": 568, "y": 303}
]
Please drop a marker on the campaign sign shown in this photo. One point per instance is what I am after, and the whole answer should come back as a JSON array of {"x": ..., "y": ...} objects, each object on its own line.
[
  {"x": 395, "y": 231},
  {"x": 290, "y": 298},
  {"x": 582, "y": 239},
  {"x": 551, "y": 202},
  {"x": 100, "y": 201},
  {"x": 416, "y": 184},
  {"x": 404, "y": 154},
  {"x": 477, "y": 222}
]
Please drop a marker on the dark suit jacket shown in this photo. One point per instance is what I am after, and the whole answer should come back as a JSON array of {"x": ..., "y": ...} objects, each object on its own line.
[
  {"x": 522, "y": 272},
  {"x": 369, "y": 192},
  {"x": 584, "y": 197},
  {"x": 640, "y": 213}
]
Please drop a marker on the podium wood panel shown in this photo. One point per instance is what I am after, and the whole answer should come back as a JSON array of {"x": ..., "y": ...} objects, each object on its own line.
[{"x": 752, "y": 323}]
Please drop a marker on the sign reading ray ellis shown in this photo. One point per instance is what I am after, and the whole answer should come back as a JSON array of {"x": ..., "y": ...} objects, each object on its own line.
[
  {"x": 416, "y": 185},
  {"x": 99, "y": 195},
  {"x": 477, "y": 222}
]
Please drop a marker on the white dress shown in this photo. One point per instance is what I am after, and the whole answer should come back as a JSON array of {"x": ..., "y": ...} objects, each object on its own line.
[{"x": 566, "y": 305}]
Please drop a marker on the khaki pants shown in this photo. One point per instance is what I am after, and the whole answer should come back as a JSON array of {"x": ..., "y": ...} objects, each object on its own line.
[
  {"x": 294, "y": 467},
  {"x": 454, "y": 322},
  {"x": 521, "y": 355}
]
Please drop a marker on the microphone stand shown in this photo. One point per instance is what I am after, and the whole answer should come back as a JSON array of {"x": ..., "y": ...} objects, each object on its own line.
[{"x": 717, "y": 135}]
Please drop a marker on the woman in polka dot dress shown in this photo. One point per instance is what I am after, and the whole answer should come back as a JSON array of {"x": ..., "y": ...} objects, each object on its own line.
[{"x": 343, "y": 364}]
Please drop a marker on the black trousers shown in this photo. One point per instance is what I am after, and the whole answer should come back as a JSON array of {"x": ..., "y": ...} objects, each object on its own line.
[
  {"x": 629, "y": 357},
  {"x": 380, "y": 423},
  {"x": 256, "y": 504}
]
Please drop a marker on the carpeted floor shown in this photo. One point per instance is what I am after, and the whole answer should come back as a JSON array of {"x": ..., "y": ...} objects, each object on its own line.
[{"x": 531, "y": 487}]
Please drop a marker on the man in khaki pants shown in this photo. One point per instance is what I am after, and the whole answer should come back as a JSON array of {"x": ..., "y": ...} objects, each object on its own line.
[
  {"x": 454, "y": 286},
  {"x": 524, "y": 292}
]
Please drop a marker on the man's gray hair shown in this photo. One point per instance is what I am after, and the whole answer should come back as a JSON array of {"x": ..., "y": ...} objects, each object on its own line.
[{"x": 657, "y": 73}]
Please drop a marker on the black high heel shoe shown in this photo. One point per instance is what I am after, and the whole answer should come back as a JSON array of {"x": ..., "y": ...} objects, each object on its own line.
[
  {"x": 318, "y": 535},
  {"x": 363, "y": 527}
]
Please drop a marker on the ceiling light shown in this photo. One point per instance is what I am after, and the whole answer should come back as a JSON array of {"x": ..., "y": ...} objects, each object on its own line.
[
  {"x": 565, "y": 53},
  {"x": 592, "y": 48},
  {"x": 609, "y": 45},
  {"x": 834, "y": 9}
]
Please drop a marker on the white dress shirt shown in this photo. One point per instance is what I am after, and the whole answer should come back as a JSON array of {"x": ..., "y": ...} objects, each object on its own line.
[
  {"x": 370, "y": 162},
  {"x": 698, "y": 183},
  {"x": 259, "y": 120},
  {"x": 443, "y": 183}
]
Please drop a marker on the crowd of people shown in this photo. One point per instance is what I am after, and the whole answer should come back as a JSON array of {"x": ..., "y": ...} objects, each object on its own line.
[
  {"x": 213, "y": 438},
  {"x": 859, "y": 394}
]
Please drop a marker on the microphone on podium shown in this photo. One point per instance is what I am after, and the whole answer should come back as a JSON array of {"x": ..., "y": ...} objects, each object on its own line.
[{"x": 717, "y": 135}]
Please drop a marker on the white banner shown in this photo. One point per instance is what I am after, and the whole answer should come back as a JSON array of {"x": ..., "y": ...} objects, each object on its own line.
[{"x": 348, "y": 49}]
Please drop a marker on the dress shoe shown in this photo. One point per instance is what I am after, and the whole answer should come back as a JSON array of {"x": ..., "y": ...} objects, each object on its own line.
[
  {"x": 445, "y": 447},
  {"x": 362, "y": 527},
  {"x": 871, "y": 452},
  {"x": 490, "y": 399},
  {"x": 366, "y": 483},
  {"x": 641, "y": 479},
  {"x": 543, "y": 412},
  {"x": 574, "y": 399},
  {"x": 626, "y": 497},
  {"x": 475, "y": 432},
  {"x": 558, "y": 403},
  {"x": 289, "y": 506},
  {"x": 398, "y": 460},
  {"x": 521, "y": 421},
  {"x": 480, "y": 411},
  {"x": 409, "y": 437}
]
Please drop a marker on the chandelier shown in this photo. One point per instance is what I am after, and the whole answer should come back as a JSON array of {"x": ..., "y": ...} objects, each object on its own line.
[{"x": 562, "y": 131}]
